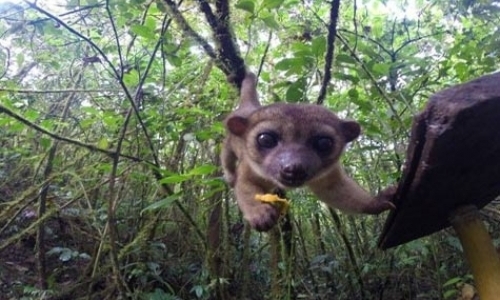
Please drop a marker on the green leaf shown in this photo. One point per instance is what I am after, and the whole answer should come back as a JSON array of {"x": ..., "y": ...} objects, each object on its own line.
[
  {"x": 175, "y": 179},
  {"x": 293, "y": 65},
  {"x": 370, "y": 128},
  {"x": 284, "y": 64},
  {"x": 363, "y": 104},
  {"x": 161, "y": 7},
  {"x": 461, "y": 69},
  {"x": 353, "y": 93},
  {"x": 31, "y": 114},
  {"x": 17, "y": 127},
  {"x": 270, "y": 22},
  {"x": 271, "y": 4},
  {"x": 301, "y": 47},
  {"x": 203, "y": 170},
  {"x": 90, "y": 110},
  {"x": 5, "y": 122},
  {"x": 45, "y": 142},
  {"x": 110, "y": 120},
  {"x": 381, "y": 69},
  {"x": 87, "y": 123},
  {"x": 47, "y": 124},
  {"x": 164, "y": 203},
  {"x": 95, "y": 34},
  {"x": 347, "y": 77},
  {"x": 318, "y": 46},
  {"x": 174, "y": 60},
  {"x": 103, "y": 143},
  {"x": 449, "y": 294},
  {"x": 143, "y": 31},
  {"x": 131, "y": 78},
  {"x": 295, "y": 92},
  {"x": 246, "y": 5},
  {"x": 150, "y": 22},
  {"x": 344, "y": 58},
  {"x": 452, "y": 281}
]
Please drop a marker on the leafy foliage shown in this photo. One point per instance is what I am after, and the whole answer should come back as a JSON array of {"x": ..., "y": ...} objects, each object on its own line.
[{"x": 110, "y": 126}]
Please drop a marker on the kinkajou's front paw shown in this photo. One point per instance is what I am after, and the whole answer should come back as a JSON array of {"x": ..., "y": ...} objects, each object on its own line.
[
  {"x": 230, "y": 179},
  {"x": 383, "y": 201},
  {"x": 262, "y": 216}
]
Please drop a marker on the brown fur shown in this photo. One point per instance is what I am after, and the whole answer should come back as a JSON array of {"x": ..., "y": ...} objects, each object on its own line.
[{"x": 288, "y": 146}]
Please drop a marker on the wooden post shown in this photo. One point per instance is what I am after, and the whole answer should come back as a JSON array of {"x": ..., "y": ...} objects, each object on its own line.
[{"x": 479, "y": 251}]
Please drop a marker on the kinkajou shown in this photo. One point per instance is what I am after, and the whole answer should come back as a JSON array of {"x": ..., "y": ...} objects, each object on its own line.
[{"x": 288, "y": 146}]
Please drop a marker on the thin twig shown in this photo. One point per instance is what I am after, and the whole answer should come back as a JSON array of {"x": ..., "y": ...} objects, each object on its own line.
[
  {"x": 266, "y": 50},
  {"x": 118, "y": 46}
]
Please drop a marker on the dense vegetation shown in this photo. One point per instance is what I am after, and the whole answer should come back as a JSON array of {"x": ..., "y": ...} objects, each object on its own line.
[{"x": 110, "y": 129}]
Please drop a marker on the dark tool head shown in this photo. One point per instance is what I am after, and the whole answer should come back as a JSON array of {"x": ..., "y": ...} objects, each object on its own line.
[{"x": 453, "y": 159}]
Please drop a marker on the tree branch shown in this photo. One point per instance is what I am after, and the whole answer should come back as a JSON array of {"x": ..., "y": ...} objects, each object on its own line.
[
  {"x": 227, "y": 52},
  {"x": 189, "y": 31},
  {"x": 55, "y": 136},
  {"x": 332, "y": 32},
  {"x": 227, "y": 55}
]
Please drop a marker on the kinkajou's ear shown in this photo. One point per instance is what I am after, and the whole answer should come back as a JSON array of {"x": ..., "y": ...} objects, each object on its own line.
[
  {"x": 350, "y": 130},
  {"x": 237, "y": 125}
]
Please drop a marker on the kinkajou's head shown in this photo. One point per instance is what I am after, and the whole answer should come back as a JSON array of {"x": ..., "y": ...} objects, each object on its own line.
[{"x": 291, "y": 144}]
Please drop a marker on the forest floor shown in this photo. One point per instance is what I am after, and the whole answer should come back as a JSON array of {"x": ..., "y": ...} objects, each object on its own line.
[{"x": 19, "y": 274}]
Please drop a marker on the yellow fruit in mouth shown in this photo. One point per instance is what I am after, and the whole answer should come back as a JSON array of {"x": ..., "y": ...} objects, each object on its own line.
[{"x": 273, "y": 199}]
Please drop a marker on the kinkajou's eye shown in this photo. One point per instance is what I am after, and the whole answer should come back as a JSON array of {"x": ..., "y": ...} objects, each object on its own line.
[
  {"x": 267, "y": 140},
  {"x": 323, "y": 145}
]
